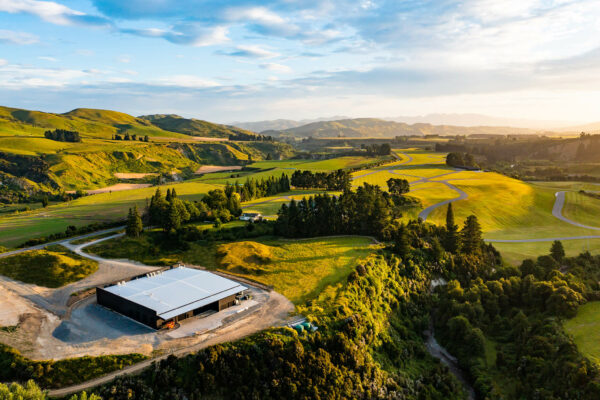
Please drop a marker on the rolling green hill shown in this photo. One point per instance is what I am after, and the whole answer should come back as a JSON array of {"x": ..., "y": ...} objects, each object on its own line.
[
  {"x": 105, "y": 123},
  {"x": 192, "y": 126}
]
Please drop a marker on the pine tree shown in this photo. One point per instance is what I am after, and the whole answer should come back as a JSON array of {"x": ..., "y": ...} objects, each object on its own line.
[
  {"x": 401, "y": 242},
  {"x": 557, "y": 251},
  {"x": 173, "y": 219},
  {"x": 451, "y": 239},
  {"x": 134, "y": 223},
  {"x": 471, "y": 235}
]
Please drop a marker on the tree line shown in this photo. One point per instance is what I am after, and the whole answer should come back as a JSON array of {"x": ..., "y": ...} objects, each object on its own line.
[
  {"x": 336, "y": 180},
  {"x": 461, "y": 160},
  {"x": 133, "y": 137},
  {"x": 375, "y": 149},
  {"x": 249, "y": 137},
  {"x": 254, "y": 188},
  {"x": 63, "y": 135},
  {"x": 170, "y": 212},
  {"x": 367, "y": 211}
]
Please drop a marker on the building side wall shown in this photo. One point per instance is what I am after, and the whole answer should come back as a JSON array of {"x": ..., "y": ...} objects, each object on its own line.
[
  {"x": 226, "y": 302},
  {"x": 128, "y": 308}
]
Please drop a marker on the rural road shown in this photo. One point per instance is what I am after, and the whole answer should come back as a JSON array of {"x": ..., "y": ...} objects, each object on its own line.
[
  {"x": 62, "y": 241},
  {"x": 461, "y": 196},
  {"x": 559, "y": 203}
]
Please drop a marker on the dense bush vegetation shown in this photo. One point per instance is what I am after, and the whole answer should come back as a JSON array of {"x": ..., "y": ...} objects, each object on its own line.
[
  {"x": 337, "y": 180},
  {"x": 368, "y": 211},
  {"x": 54, "y": 374}
]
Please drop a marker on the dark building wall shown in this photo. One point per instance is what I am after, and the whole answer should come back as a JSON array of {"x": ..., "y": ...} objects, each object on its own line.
[
  {"x": 133, "y": 310},
  {"x": 147, "y": 316},
  {"x": 226, "y": 302}
]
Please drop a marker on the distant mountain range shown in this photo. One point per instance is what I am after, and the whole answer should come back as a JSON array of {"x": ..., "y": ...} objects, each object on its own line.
[
  {"x": 467, "y": 120},
  {"x": 281, "y": 124},
  {"x": 379, "y": 128}
]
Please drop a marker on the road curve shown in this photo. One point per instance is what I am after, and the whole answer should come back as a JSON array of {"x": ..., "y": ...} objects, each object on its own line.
[
  {"x": 461, "y": 196},
  {"x": 62, "y": 241},
  {"x": 557, "y": 212}
]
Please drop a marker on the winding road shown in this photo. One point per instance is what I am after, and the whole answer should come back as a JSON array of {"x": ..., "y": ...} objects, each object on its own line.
[{"x": 462, "y": 195}]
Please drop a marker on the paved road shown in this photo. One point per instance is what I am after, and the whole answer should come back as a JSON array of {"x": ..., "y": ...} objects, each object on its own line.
[
  {"x": 62, "y": 241},
  {"x": 557, "y": 212},
  {"x": 461, "y": 196}
]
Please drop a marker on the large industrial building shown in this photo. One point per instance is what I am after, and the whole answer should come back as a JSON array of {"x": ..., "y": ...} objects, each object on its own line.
[{"x": 159, "y": 298}]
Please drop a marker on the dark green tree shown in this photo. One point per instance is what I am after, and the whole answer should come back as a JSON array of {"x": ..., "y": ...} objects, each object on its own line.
[
  {"x": 134, "y": 223},
  {"x": 398, "y": 186},
  {"x": 557, "y": 251},
  {"x": 471, "y": 236},
  {"x": 451, "y": 241},
  {"x": 45, "y": 201}
]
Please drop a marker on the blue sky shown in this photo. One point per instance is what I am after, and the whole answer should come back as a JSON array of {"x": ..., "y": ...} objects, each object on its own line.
[{"x": 251, "y": 60}]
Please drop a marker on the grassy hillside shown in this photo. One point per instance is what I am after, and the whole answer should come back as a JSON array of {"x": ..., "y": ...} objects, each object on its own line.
[
  {"x": 47, "y": 268},
  {"x": 105, "y": 123},
  {"x": 192, "y": 126},
  {"x": 88, "y": 122}
]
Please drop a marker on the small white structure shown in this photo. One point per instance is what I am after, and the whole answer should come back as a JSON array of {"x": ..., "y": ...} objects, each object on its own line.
[{"x": 251, "y": 217}]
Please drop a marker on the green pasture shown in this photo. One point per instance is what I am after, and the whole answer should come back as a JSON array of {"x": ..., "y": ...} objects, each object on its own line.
[
  {"x": 103, "y": 207},
  {"x": 515, "y": 253},
  {"x": 585, "y": 330},
  {"x": 582, "y": 208}
]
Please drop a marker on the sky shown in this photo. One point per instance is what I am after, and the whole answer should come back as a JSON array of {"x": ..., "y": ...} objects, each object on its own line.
[{"x": 244, "y": 60}]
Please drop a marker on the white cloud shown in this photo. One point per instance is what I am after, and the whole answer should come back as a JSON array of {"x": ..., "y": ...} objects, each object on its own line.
[
  {"x": 47, "y": 10},
  {"x": 186, "y": 81},
  {"x": 252, "y": 51},
  {"x": 3, "y": 62},
  {"x": 13, "y": 37},
  {"x": 46, "y": 58},
  {"x": 17, "y": 76},
  {"x": 274, "y": 67},
  {"x": 190, "y": 34},
  {"x": 264, "y": 20}
]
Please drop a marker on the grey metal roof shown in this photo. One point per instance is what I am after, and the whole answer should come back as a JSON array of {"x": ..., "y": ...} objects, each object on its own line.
[{"x": 176, "y": 291}]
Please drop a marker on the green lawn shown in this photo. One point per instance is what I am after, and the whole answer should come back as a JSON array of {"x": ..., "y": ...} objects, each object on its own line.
[
  {"x": 51, "y": 268},
  {"x": 585, "y": 329}
]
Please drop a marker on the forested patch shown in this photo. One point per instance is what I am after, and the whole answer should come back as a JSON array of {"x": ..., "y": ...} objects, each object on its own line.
[
  {"x": 53, "y": 374},
  {"x": 336, "y": 180},
  {"x": 63, "y": 135}
]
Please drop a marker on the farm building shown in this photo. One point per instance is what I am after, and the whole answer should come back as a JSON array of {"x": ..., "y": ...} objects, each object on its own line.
[
  {"x": 251, "y": 217},
  {"x": 159, "y": 298}
]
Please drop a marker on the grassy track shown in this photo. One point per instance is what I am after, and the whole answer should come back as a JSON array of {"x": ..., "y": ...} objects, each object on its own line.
[{"x": 585, "y": 329}]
